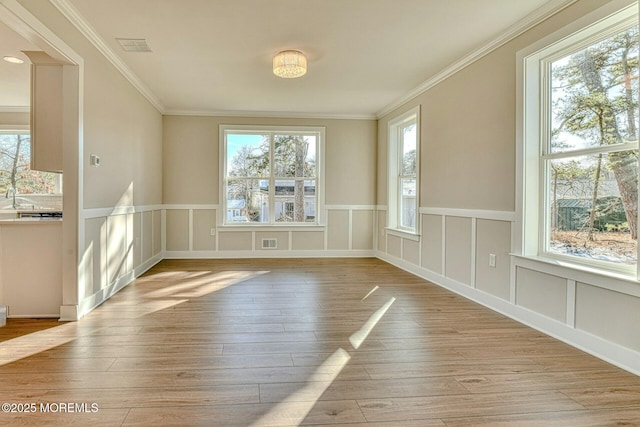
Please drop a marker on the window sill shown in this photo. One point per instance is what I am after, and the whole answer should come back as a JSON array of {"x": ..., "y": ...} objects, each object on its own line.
[
  {"x": 271, "y": 227},
  {"x": 613, "y": 280},
  {"x": 405, "y": 234}
]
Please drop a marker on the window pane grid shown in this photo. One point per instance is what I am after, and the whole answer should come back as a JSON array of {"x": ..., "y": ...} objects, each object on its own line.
[
  {"x": 589, "y": 158},
  {"x": 271, "y": 177},
  {"x": 407, "y": 172}
]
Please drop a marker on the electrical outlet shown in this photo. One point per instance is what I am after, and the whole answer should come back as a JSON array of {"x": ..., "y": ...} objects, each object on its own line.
[
  {"x": 94, "y": 160},
  {"x": 492, "y": 260},
  {"x": 213, "y": 232}
]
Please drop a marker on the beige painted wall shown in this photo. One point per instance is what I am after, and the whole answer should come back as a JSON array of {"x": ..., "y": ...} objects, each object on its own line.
[
  {"x": 234, "y": 241},
  {"x": 381, "y": 233},
  {"x": 191, "y": 158},
  {"x": 466, "y": 138},
  {"x": 177, "y": 224},
  {"x": 125, "y": 130},
  {"x": 603, "y": 312},
  {"x": 307, "y": 241},
  {"x": 362, "y": 221},
  {"x": 394, "y": 246},
  {"x": 457, "y": 257},
  {"x": 203, "y": 221},
  {"x": 9, "y": 119},
  {"x": 95, "y": 264},
  {"x": 431, "y": 241},
  {"x": 468, "y": 126},
  {"x": 119, "y": 125},
  {"x": 147, "y": 235},
  {"x": 543, "y": 293},
  {"x": 338, "y": 226},
  {"x": 493, "y": 237},
  {"x": 115, "y": 246},
  {"x": 411, "y": 251},
  {"x": 468, "y": 167},
  {"x": 118, "y": 242},
  {"x": 191, "y": 150},
  {"x": 128, "y": 141}
]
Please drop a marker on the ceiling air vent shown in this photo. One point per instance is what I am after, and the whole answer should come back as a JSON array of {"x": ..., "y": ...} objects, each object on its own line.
[{"x": 134, "y": 45}]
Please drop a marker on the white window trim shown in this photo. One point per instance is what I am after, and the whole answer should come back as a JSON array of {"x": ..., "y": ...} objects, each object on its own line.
[
  {"x": 393, "y": 199},
  {"x": 15, "y": 129},
  {"x": 320, "y": 178},
  {"x": 527, "y": 240}
]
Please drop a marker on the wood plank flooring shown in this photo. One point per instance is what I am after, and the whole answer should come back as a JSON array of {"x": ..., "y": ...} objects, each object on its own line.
[{"x": 352, "y": 342}]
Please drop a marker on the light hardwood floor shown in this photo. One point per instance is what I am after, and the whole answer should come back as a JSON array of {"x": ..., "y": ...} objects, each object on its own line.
[{"x": 301, "y": 341}]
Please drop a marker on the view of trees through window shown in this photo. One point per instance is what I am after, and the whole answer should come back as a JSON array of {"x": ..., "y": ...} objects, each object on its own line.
[
  {"x": 17, "y": 181},
  {"x": 407, "y": 178},
  {"x": 591, "y": 162},
  {"x": 271, "y": 175}
]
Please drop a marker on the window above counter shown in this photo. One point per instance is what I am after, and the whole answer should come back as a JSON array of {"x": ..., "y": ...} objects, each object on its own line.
[{"x": 21, "y": 188}]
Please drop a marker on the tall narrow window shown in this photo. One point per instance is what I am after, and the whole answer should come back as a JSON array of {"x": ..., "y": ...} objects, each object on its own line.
[
  {"x": 271, "y": 175},
  {"x": 586, "y": 139},
  {"x": 403, "y": 171}
]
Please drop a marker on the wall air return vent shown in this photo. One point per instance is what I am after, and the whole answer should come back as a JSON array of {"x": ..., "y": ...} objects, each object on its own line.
[
  {"x": 269, "y": 243},
  {"x": 134, "y": 45}
]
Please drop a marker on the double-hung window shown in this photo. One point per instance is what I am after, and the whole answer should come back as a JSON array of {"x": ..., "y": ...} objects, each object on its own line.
[
  {"x": 271, "y": 175},
  {"x": 580, "y": 153},
  {"x": 404, "y": 171}
]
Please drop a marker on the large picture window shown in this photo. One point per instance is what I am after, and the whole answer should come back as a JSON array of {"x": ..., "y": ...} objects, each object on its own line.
[
  {"x": 585, "y": 138},
  {"x": 272, "y": 175},
  {"x": 403, "y": 171}
]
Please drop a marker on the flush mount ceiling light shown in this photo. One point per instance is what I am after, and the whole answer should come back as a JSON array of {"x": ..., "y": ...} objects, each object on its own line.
[
  {"x": 290, "y": 64},
  {"x": 13, "y": 60}
]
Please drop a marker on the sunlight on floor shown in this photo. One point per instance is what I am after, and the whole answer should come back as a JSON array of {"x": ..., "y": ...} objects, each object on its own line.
[
  {"x": 202, "y": 283},
  {"x": 295, "y": 407},
  {"x": 212, "y": 282},
  {"x": 150, "y": 307},
  {"x": 370, "y": 293},
  {"x": 36, "y": 342},
  {"x": 361, "y": 334}
]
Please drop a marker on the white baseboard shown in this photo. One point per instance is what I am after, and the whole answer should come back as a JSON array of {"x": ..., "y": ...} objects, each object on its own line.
[
  {"x": 146, "y": 266},
  {"x": 35, "y": 316},
  {"x": 92, "y": 301},
  {"x": 3, "y": 315},
  {"x": 369, "y": 253},
  {"x": 69, "y": 313},
  {"x": 608, "y": 351}
]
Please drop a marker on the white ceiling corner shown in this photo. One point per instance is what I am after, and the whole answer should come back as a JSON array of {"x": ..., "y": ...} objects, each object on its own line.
[
  {"x": 526, "y": 23},
  {"x": 72, "y": 14},
  {"x": 226, "y": 71}
]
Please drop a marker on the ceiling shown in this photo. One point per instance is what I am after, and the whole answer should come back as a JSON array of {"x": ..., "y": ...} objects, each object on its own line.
[
  {"x": 14, "y": 78},
  {"x": 214, "y": 56}
]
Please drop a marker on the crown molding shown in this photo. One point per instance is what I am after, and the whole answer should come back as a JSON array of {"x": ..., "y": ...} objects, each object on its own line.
[
  {"x": 534, "y": 18},
  {"x": 270, "y": 114},
  {"x": 78, "y": 21},
  {"x": 74, "y": 16},
  {"x": 547, "y": 10}
]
